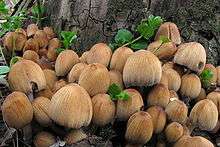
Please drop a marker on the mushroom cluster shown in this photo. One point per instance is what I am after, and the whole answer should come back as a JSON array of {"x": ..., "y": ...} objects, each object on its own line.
[{"x": 160, "y": 90}]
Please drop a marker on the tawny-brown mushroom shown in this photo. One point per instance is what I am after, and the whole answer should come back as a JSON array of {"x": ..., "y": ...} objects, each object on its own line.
[
  {"x": 31, "y": 29},
  {"x": 31, "y": 44},
  {"x": 58, "y": 85},
  {"x": 53, "y": 45},
  {"x": 83, "y": 57},
  {"x": 174, "y": 79},
  {"x": 75, "y": 72},
  {"x": 31, "y": 55},
  {"x": 44, "y": 139},
  {"x": 215, "y": 98},
  {"x": 116, "y": 77},
  {"x": 218, "y": 75},
  {"x": 202, "y": 95},
  {"x": 50, "y": 33},
  {"x": 174, "y": 131},
  {"x": 51, "y": 77},
  {"x": 41, "y": 37},
  {"x": 75, "y": 136}
]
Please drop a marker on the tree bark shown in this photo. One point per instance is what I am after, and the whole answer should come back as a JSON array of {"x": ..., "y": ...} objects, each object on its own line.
[{"x": 99, "y": 20}]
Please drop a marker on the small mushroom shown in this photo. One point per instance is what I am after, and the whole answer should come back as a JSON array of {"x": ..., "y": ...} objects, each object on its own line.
[
  {"x": 125, "y": 108},
  {"x": 212, "y": 68},
  {"x": 218, "y": 75},
  {"x": 158, "y": 118},
  {"x": 31, "y": 55},
  {"x": 50, "y": 33},
  {"x": 20, "y": 30},
  {"x": 142, "y": 68},
  {"x": 44, "y": 139},
  {"x": 139, "y": 128},
  {"x": 75, "y": 72},
  {"x": 192, "y": 55},
  {"x": 174, "y": 131},
  {"x": 31, "y": 30},
  {"x": 45, "y": 64},
  {"x": 119, "y": 58},
  {"x": 103, "y": 109},
  {"x": 116, "y": 77},
  {"x": 58, "y": 85},
  {"x": 173, "y": 94},
  {"x": 215, "y": 98},
  {"x": 95, "y": 79},
  {"x": 176, "y": 67},
  {"x": 53, "y": 45},
  {"x": 83, "y": 57},
  {"x": 169, "y": 30},
  {"x": 75, "y": 136},
  {"x": 202, "y": 95},
  {"x": 164, "y": 79},
  {"x": 99, "y": 53},
  {"x": 174, "y": 79},
  {"x": 51, "y": 77},
  {"x": 43, "y": 52},
  {"x": 31, "y": 44},
  {"x": 65, "y": 61},
  {"x": 41, "y": 37},
  {"x": 48, "y": 93}
]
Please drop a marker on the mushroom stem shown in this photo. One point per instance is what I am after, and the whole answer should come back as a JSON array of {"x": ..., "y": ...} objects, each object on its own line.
[{"x": 27, "y": 133}]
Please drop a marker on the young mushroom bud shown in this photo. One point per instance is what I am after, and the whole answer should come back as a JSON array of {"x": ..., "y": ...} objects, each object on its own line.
[
  {"x": 75, "y": 72},
  {"x": 75, "y": 136},
  {"x": 195, "y": 141},
  {"x": 202, "y": 95},
  {"x": 41, "y": 37},
  {"x": 174, "y": 79},
  {"x": 58, "y": 85},
  {"x": 53, "y": 45},
  {"x": 95, "y": 79},
  {"x": 51, "y": 78},
  {"x": 169, "y": 30},
  {"x": 24, "y": 74},
  {"x": 159, "y": 95},
  {"x": 65, "y": 61},
  {"x": 192, "y": 55},
  {"x": 177, "y": 111},
  {"x": 41, "y": 110},
  {"x": 125, "y": 108},
  {"x": 204, "y": 114},
  {"x": 103, "y": 109},
  {"x": 31, "y": 30},
  {"x": 174, "y": 131},
  {"x": 139, "y": 128},
  {"x": 50, "y": 33},
  {"x": 71, "y": 107},
  {"x": 190, "y": 86},
  {"x": 31, "y": 55},
  {"x": 215, "y": 98},
  {"x": 164, "y": 79},
  {"x": 100, "y": 53},
  {"x": 44, "y": 139},
  {"x": 212, "y": 68},
  {"x": 119, "y": 58},
  {"x": 142, "y": 68},
  {"x": 116, "y": 77},
  {"x": 218, "y": 75},
  {"x": 83, "y": 57},
  {"x": 31, "y": 44},
  {"x": 158, "y": 118},
  {"x": 17, "y": 110}
]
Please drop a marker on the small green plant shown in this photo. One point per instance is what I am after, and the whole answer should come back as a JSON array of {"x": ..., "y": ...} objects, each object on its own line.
[
  {"x": 146, "y": 30},
  {"x": 3, "y": 71},
  {"x": 38, "y": 12},
  {"x": 116, "y": 93},
  {"x": 206, "y": 77}
]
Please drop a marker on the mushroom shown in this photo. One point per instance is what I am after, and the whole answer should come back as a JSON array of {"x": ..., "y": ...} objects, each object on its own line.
[
  {"x": 44, "y": 139},
  {"x": 158, "y": 118},
  {"x": 164, "y": 79},
  {"x": 116, "y": 77},
  {"x": 99, "y": 53},
  {"x": 65, "y": 61},
  {"x": 142, "y": 68},
  {"x": 45, "y": 64},
  {"x": 53, "y": 45},
  {"x": 204, "y": 114},
  {"x": 192, "y": 55},
  {"x": 31, "y": 30},
  {"x": 31, "y": 55},
  {"x": 119, "y": 58},
  {"x": 48, "y": 93},
  {"x": 41, "y": 37},
  {"x": 83, "y": 57},
  {"x": 202, "y": 95},
  {"x": 159, "y": 95},
  {"x": 173, "y": 94},
  {"x": 51, "y": 78},
  {"x": 174, "y": 131},
  {"x": 139, "y": 128},
  {"x": 41, "y": 110},
  {"x": 215, "y": 98},
  {"x": 212, "y": 68},
  {"x": 75, "y": 72},
  {"x": 31, "y": 44},
  {"x": 169, "y": 30},
  {"x": 174, "y": 79},
  {"x": 50, "y": 33},
  {"x": 95, "y": 79},
  {"x": 103, "y": 109},
  {"x": 71, "y": 107},
  {"x": 43, "y": 52},
  {"x": 74, "y": 136},
  {"x": 17, "y": 110},
  {"x": 218, "y": 75},
  {"x": 190, "y": 86},
  {"x": 178, "y": 68},
  {"x": 125, "y": 108},
  {"x": 58, "y": 85},
  {"x": 177, "y": 111},
  {"x": 24, "y": 74}
]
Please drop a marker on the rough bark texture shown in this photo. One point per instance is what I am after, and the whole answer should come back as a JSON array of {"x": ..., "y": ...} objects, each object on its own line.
[{"x": 99, "y": 20}]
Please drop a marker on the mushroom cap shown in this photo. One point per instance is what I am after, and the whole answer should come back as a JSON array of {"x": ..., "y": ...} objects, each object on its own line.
[
  {"x": 65, "y": 61},
  {"x": 218, "y": 75},
  {"x": 159, "y": 95},
  {"x": 158, "y": 118},
  {"x": 173, "y": 94},
  {"x": 83, "y": 57},
  {"x": 95, "y": 79},
  {"x": 164, "y": 79},
  {"x": 53, "y": 45},
  {"x": 41, "y": 37},
  {"x": 174, "y": 131},
  {"x": 174, "y": 79},
  {"x": 71, "y": 107},
  {"x": 139, "y": 128},
  {"x": 75, "y": 136},
  {"x": 31, "y": 29},
  {"x": 20, "y": 30},
  {"x": 103, "y": 109},
  {"x": 24, "y": 74},
  {"x": 119, "y": 58},
  {"x": 17, "y": 110},
  {"x": 31, "y": 44},
  {"x": 202, "y": 95},
  {"x": 192, "y": 55},
  {"x": 195, "y": 141},
  {"x": 75, "y": 72},
  {"x": 215, "y": 98},
  {"x": 50, "y": 33},
  {"x": 204, "y": 114},
  {"x": 176, "y": 67},
  {"x": 177, "y": 111},
  {"x": 142, "y": 68},
  {"x": 99, "y": 53},
  {"x": 116, "y": 77},
  {"x": 169, "y": 30},
  {"x": 51, "y": 78},
  {"x": 41, "y": 110},
  {"x": 44, "y": 139},
  {"x": 212, "y": 68},
  {"x": 59, "y": 84},
  {"x": 190, "y": 86},
  {"x": 14, "y": 41},
  {"x": 48, "y": 93},
  {"x": 125, "y": 108},
  {"x": 31, "y": 55}
]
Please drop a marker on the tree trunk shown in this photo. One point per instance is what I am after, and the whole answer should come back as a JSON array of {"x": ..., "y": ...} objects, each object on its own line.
[{"x": 99, "y": 20}]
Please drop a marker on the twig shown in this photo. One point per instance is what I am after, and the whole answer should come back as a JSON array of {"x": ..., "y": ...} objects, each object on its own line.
[{"x": 133, "y": 41}]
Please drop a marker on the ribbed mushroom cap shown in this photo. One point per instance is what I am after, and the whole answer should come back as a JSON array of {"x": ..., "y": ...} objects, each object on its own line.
[
  {"x": 174, "y": 131},
  {"x": 174, "y": 79},
  {"x": 58, "y": 85},
  {"x": 24, "y": 74},
  {"x": 176, "y": 67},
  {"x": 41, "y": 37},
  {"x": 164, "y": 79},
  {"x": 51, "y": 78},
  {"x": 215, "y": 98},
  {"x": 142, "y": 68},
  {"x": 53, "y": 45},
  {"x": 50, "y": 33},
  {"x": 31, "y": 44},
  {"x": 119, "y": 58},
  {"x": 31, "y": 29},
  {"x": 99, "y": 53},
  {"x": 75, "y": 72},
  {"x": 75, "y": 136},
  {"x": 204, "y": 114},
  {"x": 192, "y": 55},
  {"x": 202, "y": 95},
  {"x": 71, "y": 107},
  {"x": 218, "y": 75},
  {"x": 48, "y": 93},
  {"x": 116, "y": 77},
  {"x": 125, "y": 108},
  {"x": 95, "y": 79},
  {"x": 44, "y": 139},
  {"x": 17, "y": 110},
  {"x": 31, "y": 55},
  {"x": 20, "y": 30},
  {"x": 83, "y": 58}
]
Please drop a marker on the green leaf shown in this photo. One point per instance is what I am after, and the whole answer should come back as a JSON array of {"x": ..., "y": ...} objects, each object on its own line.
[
  {"x": 123, "y": 36},
  {"x": 138, "y": 45},
  {"x": 4, "y": 70},
  {"x": 116, "y": 92},
  {"x": 59, "y": 50},
  {"x": 206, "y": 77},
  {"x": 122, "y": 96},
  {"x": 14, "y": 60},
  {"x": 3, "y": 8},
  {"x": 164, "y": 39},
  {"x": 68, "y": 38}
]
